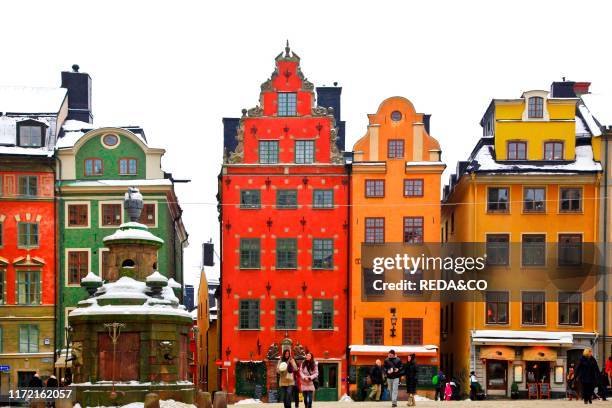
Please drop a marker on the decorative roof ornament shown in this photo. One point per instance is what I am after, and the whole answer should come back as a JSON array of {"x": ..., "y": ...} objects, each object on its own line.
[
  {"x": 133, "y": 204},
  {"x": 287, "y": 50}
]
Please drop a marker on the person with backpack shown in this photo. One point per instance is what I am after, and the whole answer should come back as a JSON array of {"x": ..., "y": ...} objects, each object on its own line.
[
  {"x": 309, "y": 374},
  {"x": 438, "y": 382},
  {"x": 376, "y": 381},
  {"x": 394, "y": 369}
]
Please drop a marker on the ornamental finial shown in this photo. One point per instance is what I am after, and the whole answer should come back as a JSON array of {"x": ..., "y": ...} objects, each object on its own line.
[{"x": 287, "y": 49}]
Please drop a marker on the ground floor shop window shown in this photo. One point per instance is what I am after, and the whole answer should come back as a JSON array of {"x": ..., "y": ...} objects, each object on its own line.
[
  {"x": 497, "y": 374},
  {"x": 538, "y": 371},
  {"x": 250, "y": 379}
]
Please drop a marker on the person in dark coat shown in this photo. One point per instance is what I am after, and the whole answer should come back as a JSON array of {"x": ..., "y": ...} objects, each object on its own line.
[
  {"x": 35, "y": 382},
  {"x": 439, "y": 386},
  {"x": 393, "y": 368},
  {"x": 602, "y": 387},
  {"x": 376, "y": 380},
  {"x": 410, "y": 371},
  {"x": 52, "y": 382},
  {"x": 587, "y": 373}
]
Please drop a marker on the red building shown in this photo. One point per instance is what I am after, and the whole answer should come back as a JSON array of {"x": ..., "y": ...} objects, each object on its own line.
[{"x": 284, "y": 217}]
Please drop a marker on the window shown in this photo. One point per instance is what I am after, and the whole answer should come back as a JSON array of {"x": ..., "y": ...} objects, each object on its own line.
[
  {"x": 268, "y": 151},
  {"x": 570, "y": 249},
  {"x": 452, "y": 227},
  {"x": 28, "y": 186},
  {"x": 413, "y": 188},
  {"x": 534, "y": 199},
  {"x": 369, "y": 277},
  {"x": 111, "y": 215},
  {"x": 553, "y": 151},
  {"x": 396, "y": 116},
  {"x": 498, "y": 249},
  {"x": 415, "y": 277},
  {"x": 413, "y": 230},
  {"x": 249, "y": 253},
  {"x": 373, "y": 331},
  {"x": 323, "y": 199},
  {"x": 94, "y": 167},
  {"x": 412, "y": 331},
  {"x": 250, "y": 199},
  {"x": 147, "y": 215},
  {"x": 498, "y": 199},
  {"x": 286, "y": 253},
  {"x": 78, "y": 266},
  {"x": 28, "y": 338},
  {"x": 30, "y": 136},
  {"x": 322, "y": 314},
  {"x": 395, "y": 149},
  {"x": 322, "y": 253},
  {"x": 27, "y": 234},
  {"x": 104, "y": 262},
  {"x": 374, "y": 230},
  {"x": 286, "y": 199},
  {"x": 536, "y": 107},
  {"x": 249, "y": 314},
  {"x": 517, "y": 150},
  {"x": 286, "y": 314},
  {"x": 78, "y": 215},
  {"x": 304, "y": 151},
  {"x": 571, "y": 200},
  {"x": 375, "y": 188},
  {"x": 570, "y": 308},
  {"x": 497, "y": 307},
  {"x": 128, "y": 166},
  {"x": 287, "y": 103},
  {"x": 28, "y": 287},
  {"x": 110, "y": 140},
  {"x": 533, "y": 250},
  {"x": 533, "y": 307}
]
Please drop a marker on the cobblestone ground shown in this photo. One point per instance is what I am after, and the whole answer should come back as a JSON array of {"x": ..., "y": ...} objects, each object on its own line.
[{"x": 557, "y": 403}]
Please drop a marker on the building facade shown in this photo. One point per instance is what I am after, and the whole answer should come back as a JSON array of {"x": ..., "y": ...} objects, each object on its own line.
[
  {"x": 283, "y": 199},
  {"x": 529, "y": 195},
  {"x": 30, "y": 120},
  {"x": 395, "y": 191},
  {"x": 95, "y": 166}
]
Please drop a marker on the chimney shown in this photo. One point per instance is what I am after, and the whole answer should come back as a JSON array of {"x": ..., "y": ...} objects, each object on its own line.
[
  {"x": 208, "y": 251},
  {"x": 426, "y": 121},
  {"x": 78, "y": 85},
  {"x": 329, "y": 97},
  {"x": 562, "y": 89},
  {"x": 230, "y": 130}
]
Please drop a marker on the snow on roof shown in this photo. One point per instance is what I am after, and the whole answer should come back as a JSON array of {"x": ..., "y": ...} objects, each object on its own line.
[
  {"x": 590, "y": 121},
  {"x": 21, "y": 99},
  {"x": 366, "y": 348},
  {"x": 584, "y": 162},
  {"x": 173, "y": 284},
  {"x": 129, "y": 288},
  {"x": 425, "y": 163},
  {"x": 128, "y": 232},
  {"x": 119, "y": 183},
  {"x": 91, "y": 277},
  {"x": 26, "y": 151},
  {"x": 156, "y": 277},
  {"x": 600, "y": 107},
  {"x": 522, "y": 337},
  {"x": 75, "y": 129}
]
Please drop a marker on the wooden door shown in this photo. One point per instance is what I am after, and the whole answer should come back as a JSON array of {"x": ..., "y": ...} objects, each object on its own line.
[
  {"x": 328, "y": 382},
  {"x": 126, "y": 365},
  {"x": 497, "y": 375}
]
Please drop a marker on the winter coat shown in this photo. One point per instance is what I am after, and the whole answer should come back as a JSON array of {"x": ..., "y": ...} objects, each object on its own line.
[
  {"x": 308, "y": 377},
  {"x": 587, "y": 371},
  {"x": 376, "y": 375},
  {"x": 35, "y": 382},
  {"x": 52, "y": 382},
  {"x": 410, "y": 371},
  {"x": 391, "y": 364},
  {"x": 286, "y": 377}
]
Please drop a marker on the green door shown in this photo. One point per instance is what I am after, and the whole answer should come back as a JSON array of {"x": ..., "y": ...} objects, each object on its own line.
[{"x": 328, "y": 382}]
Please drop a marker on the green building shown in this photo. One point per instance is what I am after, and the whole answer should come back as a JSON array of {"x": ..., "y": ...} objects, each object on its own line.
[{"x": 95, "y": 166}]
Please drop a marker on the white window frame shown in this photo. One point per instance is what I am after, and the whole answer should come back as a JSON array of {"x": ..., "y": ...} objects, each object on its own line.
[
  {"x": 66, "y": 264},
  {"x": 67, "y": 204},
  {"x": 100, "y": 203},
  {"x": 100, "y": 251},
  {"x": 535, "y": 93},
  {"x": 156, "y": 212}
]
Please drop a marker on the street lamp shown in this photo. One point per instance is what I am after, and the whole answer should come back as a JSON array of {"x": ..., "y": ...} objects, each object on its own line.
[{"x": 393, "y": 322}]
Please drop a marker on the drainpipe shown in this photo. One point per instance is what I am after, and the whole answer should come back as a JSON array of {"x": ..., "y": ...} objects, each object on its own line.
[
  {"x": 605, "y": 243},
  {"x": 220, "y": 287},
  {"x": 57, "y": 253},
  {"x": 348, "y": 282}
]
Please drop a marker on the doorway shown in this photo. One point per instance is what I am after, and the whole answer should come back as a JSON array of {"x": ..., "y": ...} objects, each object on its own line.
[
  {"x": 24, "y": 377},
  {"x": 497, "y": 375},
  {"x": 328, "y": 382}
]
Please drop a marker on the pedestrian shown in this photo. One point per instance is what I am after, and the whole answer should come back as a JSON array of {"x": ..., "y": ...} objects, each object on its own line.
[
  {"x": 35, "y": 381},
  {"x": 410, "y": 370},
  {"x": 376, "y": 381},
  {"x": 609, "y": 369},
  {"x": 448, "y": 391},
  {"x": 309, "y": 373},
  {"x": 571, "y": 384},
  {"x": 393, "y": 368},
  {"x": 52, "y": 383},
  {"x": 473, "y": 385},
  {"x": 285, "y": 368},
  {"x": 602, "y": 387},
  {"x": 297, "y": 387},
  {"x": 587, "y": 372},
  {"x": 439, "y": 385}
]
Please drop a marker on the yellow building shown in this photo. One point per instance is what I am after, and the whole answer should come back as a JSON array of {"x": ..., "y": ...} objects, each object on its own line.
[
  {"x": 208, "y": 340},
  {"x": 395, "y": 196},
  {"x": 529, "y": 194}
]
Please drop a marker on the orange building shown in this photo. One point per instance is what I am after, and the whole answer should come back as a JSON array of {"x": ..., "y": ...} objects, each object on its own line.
[{"x": 395, "y": 196}]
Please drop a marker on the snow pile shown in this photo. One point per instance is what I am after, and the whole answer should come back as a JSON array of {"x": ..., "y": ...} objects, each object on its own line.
[
  {"x": 248, "y": 401},
  {"x": 421, "y": 398},
  {"x": 91, "y": 277},
  {"x": 156, "y": 277},
  {"x": 132, "y": 230},
  {"x": 173, "y": 284},
  {"x": 130, "y": 289},
  {"x": 600, "y": 106},
  {"x": 162, "y": 403},
  {"x": 346, "y": 398}
]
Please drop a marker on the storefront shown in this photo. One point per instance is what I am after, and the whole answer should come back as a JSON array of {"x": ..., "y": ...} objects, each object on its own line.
[{"x": 536, "y": 361}]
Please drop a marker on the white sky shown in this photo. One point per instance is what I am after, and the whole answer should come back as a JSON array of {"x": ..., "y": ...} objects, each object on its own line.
[{"x": 176, "y": 68}]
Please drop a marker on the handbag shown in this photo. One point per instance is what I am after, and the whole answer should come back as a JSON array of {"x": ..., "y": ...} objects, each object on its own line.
[{"x": 315, "y": 382}]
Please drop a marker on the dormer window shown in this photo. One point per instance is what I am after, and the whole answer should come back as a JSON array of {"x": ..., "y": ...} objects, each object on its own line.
[
  {"x": 517, "y": 150},
  {"x": 287, "y": 103},
  {"x": 30, "y": 134},
  {"x": 535, "y": 107},
  {"x": 553, "y": 151}
]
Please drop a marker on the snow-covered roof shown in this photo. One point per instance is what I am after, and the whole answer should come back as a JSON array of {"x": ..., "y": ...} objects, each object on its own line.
[
  {"x": 483, "y": 162},
  {"x": 425, "y": 163},
  {"x": 132, "y": 231},
  {"x": 21, "y": 99},
  {"x": 118, "y": 183},
  {"x": 600, "y": 106},
  {"x": 26, "y": 151},
  {"x": 130, "y": 289},
  {"x": 369, "y": 349},
  {"x": 75, "y": 129},
  {"x": 523, "y": 337},
  {"x": 91, "y": 277},
  {"x": 590, "y": 122}
]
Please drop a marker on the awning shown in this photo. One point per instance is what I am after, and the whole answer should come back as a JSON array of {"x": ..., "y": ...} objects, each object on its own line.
[
  {"x": 366, "y": 349},
  {"x": 497, "y": 353},
  {"x": 523, "y": 337},
  {"x": 61, "y": 362},
  {"x": 539, "y": 354}
]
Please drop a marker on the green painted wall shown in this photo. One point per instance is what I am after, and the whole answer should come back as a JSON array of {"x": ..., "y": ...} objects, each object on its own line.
[{"x": 94, "y": 148}]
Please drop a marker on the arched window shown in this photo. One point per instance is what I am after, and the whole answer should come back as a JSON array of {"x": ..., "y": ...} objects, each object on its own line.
[
  {"x": 128, "y": 263},
  {"x": 536, "y": 107}
]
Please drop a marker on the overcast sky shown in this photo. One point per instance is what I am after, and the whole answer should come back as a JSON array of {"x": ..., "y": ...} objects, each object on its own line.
[{"x": 178, "y": 69}]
